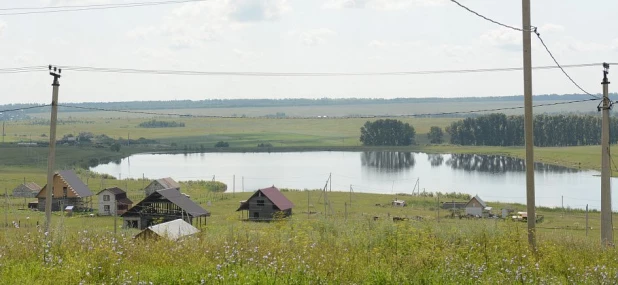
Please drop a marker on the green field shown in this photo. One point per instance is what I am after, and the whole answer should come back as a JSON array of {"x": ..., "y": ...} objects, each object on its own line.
[{"x": 339, "y": 244}]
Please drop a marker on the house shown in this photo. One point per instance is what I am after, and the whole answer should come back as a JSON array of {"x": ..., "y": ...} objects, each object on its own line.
[
  {"x": 68, "y": 190},
  {"x": 163, "y": 206},
  {"x": 172, "y": 230},
  {"x": 26, "y": 190},
  {"x": 111, "y": 198},
  {"x": 476, "y": 207},
  {"x": 160, "y": 184},
  {"x": 266, "y": 204}
]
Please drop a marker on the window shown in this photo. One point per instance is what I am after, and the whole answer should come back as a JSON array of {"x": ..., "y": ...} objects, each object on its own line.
[
  {"x": 64, "y": 191},
  {"x": 106, "y": 208},
  {"x": 105, "y": 197},
  {"x": 260, "y": 203}
]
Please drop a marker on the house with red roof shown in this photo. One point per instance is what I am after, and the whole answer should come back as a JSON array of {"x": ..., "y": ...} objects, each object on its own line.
[{"x": 266, "y": 204}]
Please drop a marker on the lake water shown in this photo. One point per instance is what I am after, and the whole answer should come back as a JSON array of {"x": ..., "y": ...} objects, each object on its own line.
[{"x": 493, "y": 178}]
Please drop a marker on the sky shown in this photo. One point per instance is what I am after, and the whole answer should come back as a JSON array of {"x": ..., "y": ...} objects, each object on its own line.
[{"x": 301, "y": 36}]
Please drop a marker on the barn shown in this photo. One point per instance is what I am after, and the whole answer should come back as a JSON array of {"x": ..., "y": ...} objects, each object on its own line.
[
  {"x": 266, "y": 204},
  {"x": 26, "y": 190},
  {"x": 160, "y": 184},
  {"x": 163, "y": 206}
]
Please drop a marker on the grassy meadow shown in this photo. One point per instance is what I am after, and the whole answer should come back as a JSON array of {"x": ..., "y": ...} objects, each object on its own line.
[
  {"x": 338, "y": 243},
  {"x": 342, "y": 245}
]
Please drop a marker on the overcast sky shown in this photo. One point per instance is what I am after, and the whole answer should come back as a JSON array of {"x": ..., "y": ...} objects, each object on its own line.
[{"x": 301, "y": 36}]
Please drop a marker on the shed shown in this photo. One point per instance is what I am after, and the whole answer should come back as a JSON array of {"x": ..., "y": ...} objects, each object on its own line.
[
  {"x": 162, "y": 206},
  {"x": 476, "y": 206},
  {"x": 113, "y": 197},
  {"x": 68, "y": 190},
  {"x": 161, "y": 184},
  {"x": 266, "y": 204},
  {"x": 172, "y": 230},
  {"x": 26, "y": 190}
]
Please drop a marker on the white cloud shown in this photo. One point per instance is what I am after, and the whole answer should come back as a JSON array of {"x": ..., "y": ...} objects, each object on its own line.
[
  {"x": 551, "y": 28},
  {"x": 192, "y": 24},
  {"x": 244, "y": 54},
  {"x": 386, "y": 5},
  {"x": 503, "y": 38},
  {"x": 75, "y": 2},
  {"x": 378, "y": 44},
  {"x": 580, "y": 46},
  {"x": 316, "y": 37},
  {"x": 2, "y": 28}
]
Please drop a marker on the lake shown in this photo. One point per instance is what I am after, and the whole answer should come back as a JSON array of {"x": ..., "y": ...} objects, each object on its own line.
[{"x": 492, "y": 177}]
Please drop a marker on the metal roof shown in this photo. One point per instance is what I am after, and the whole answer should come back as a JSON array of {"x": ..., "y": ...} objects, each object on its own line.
[
  {"x": 182, "y": 201},
  {"x": 168, "y": 183},
  {"x": 483, "y": 205},
  {"x": 119, "y": 194},
  {"x": 274, "y": 195},
  {"x": 32, "y": 186},
  {"x": 73, "y": 182},
  {"x": 173, "y": 230}
]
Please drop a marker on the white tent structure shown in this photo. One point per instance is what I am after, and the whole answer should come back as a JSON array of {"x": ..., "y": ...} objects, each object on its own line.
[{"x": 172, "y": 230}]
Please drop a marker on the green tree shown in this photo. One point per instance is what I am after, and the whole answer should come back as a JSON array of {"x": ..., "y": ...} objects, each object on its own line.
[
  {"x": 435, "y": 135},
  {"x": 115, "y": 147},
  {"x": 387, "y": 132}
]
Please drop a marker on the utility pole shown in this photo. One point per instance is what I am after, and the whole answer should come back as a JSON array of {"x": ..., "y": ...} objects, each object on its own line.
[
  {"x": 528, "y": 124},
  {"x": 3, "y": 134},
  {"x": 607, "y": 235},
  {"x": 115, "y": 214},
  {"x": 586, "y": 219},
  {"x": 55, "y": 72},
  {"x": 234, "y": 185}
]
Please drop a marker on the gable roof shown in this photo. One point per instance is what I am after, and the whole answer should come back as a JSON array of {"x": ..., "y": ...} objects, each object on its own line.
[
  {"x": 113, "y": 190},
  {"x": 119, "y": 194},
  {"x": 174, "y": 196},
  {"x": 32, "y": 186},
  {"x": 274, "y": 195},
  {"x": 477, "y": 198},
  {"x": 173, "y": 230},
  {"x": 73, "y": 182},
  {"x": 168, "y": 183}
]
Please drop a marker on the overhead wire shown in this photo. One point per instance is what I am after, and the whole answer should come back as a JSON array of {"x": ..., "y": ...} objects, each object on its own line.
[
  {"x": 77, "y": 8},
  {"x": 533, "y": 29},
  {"x": 308, "y": 117},
  {"x": 23, "y": 108}
]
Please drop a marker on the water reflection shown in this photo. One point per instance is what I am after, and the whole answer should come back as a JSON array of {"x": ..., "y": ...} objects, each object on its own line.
[
  {"x": 499, "y": 164},
  {"x": 388, "y": 160},
  {"x": 435, "y": 159}
]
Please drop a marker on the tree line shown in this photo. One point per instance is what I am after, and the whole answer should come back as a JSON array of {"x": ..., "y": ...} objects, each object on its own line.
[{"x": 549, "y": 130}]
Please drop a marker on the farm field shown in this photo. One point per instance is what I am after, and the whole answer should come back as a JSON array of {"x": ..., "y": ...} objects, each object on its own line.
[{"x": 430, "y": 248}]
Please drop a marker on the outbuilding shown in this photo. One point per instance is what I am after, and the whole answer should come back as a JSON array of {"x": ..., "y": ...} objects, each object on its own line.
[{"x": 266, "y": 204}]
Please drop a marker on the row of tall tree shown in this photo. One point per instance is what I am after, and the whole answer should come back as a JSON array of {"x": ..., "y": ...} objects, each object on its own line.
[{"x": 549, "y": 130}]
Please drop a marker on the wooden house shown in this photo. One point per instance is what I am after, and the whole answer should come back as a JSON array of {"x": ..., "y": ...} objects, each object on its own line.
[
  {"x": 113, "y": 198},
  {"x": 26, "y": 190},
  {"x": 172, "y": 230},
  {"x": 476, "y": 207},
  {"x": 266, "y": 204},
  {"x": 68, "y": 190},
  {"x": 163, "y": 206},
  {"x": 160, "y": 184}
]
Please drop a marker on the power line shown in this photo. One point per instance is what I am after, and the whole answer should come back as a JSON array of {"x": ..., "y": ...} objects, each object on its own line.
[
  {"x": 76, "y": 8},
  {"x": 343, "y": 117},
  {"x": 488, "y": 19},
  {"x": 534, "y": 30},
  {"x": 305, "y": 74},
  {"x": 558, "y": 64},
  {"x": 23, "y": 108},
  {"x": 22, "y": 69}
]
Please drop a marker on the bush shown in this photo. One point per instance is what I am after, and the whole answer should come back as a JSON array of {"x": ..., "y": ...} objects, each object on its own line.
[
  {"x": 264, "y": 145},
  {"x": 222, "y": 144}
]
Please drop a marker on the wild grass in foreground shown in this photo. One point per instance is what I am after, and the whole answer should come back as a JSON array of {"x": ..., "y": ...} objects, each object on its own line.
[{"x": 315, "y": 251}]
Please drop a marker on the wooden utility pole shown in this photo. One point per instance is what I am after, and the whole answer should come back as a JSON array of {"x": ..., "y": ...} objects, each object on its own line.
[
  {"x": 6, "y": 209},
  {"x": 115, "y": 214},
  {"x": 607, "y": 235},
  {"x": 234, "y": 185},
  {"x": 586, "y": 219},
  {"x": 528, "y": 124},
  {"x": 55, "y": 72}
]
